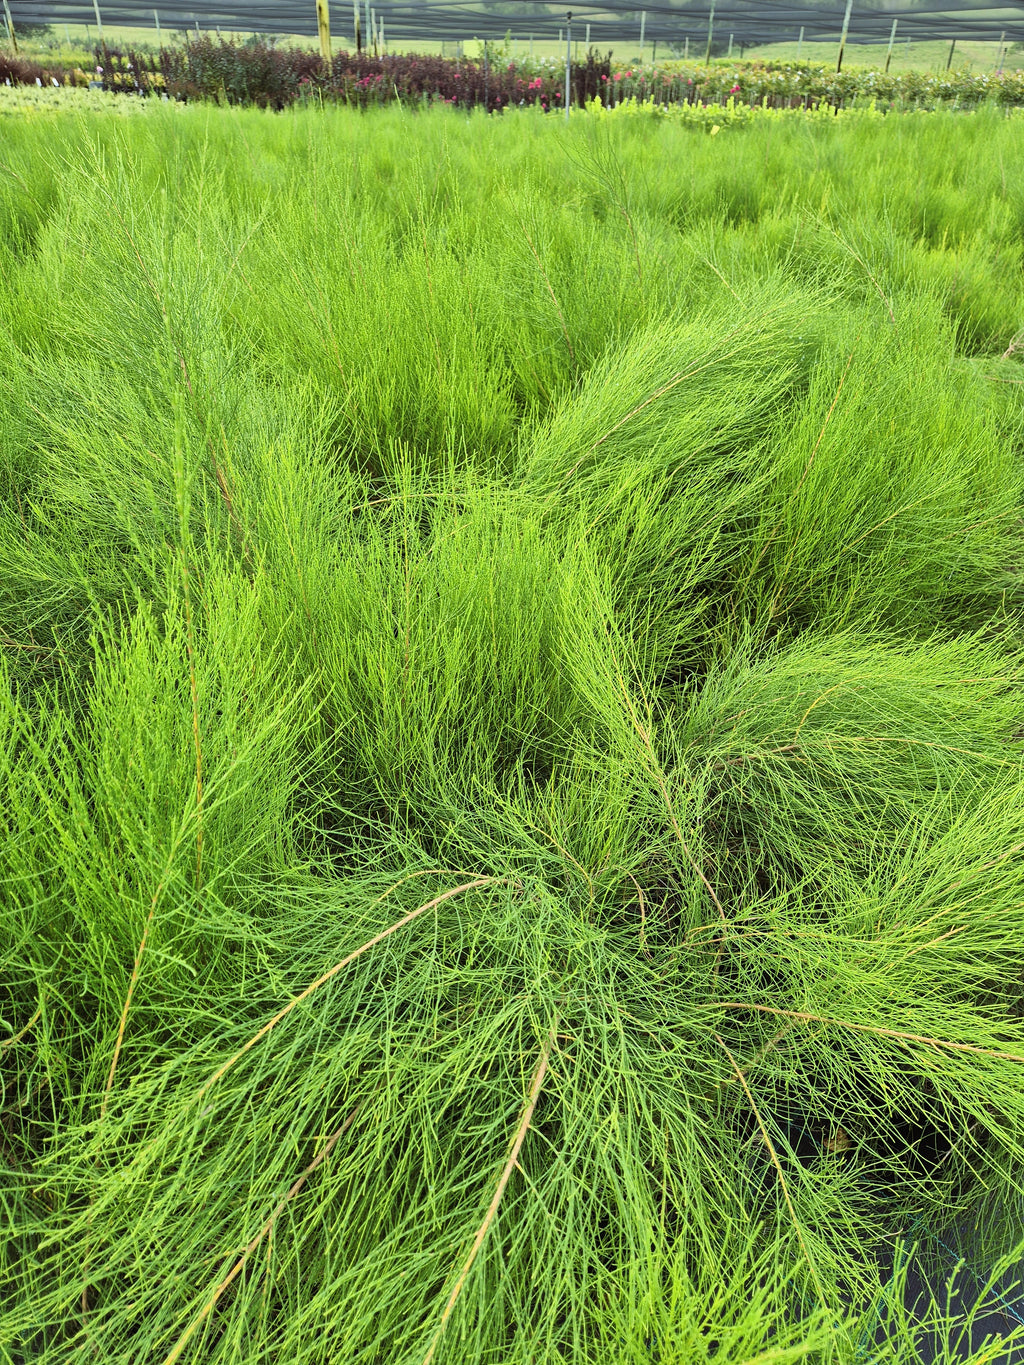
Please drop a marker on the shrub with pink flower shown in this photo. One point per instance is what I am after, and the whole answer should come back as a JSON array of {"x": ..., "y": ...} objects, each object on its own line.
[{"x": 264, "y": 74}]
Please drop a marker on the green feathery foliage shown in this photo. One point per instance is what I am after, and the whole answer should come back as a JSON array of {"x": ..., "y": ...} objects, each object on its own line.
[{"x": 511, "y": 812}]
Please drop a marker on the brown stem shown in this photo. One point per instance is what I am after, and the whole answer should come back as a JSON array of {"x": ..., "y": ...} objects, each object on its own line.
[
  {"x": 550, "y": 289},
  {"x": 8, "y": 643},
  {"x": 761, "y": 1053},
  {"x": 190, "y": 648},
  {"x": 778, "y": 1167},
  {"x": 643, "y": 915},
  {"x": 490, "y": 1215},
  {"x": 659, "y": 779},
  {"x": 5, "y": 1043},
  {"x": 867, "y": 270},
  {"x": 265, "y": 1230},
  {"x": 133, "y": 982},
  {"x": 339, "y": 966},
  {"x": 868, "y": 1028}
]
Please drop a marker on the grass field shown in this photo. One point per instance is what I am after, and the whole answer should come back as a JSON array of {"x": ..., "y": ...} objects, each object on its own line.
[{"x": 511, "y": 811}]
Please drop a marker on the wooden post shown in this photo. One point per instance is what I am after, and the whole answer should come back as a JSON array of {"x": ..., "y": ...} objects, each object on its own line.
[
  {"x": 643, "y": 25},
  {"x": 358, "y": 35},
  {"x": 949, "y": 59},
  {"x": 686, "y": 48},
  {"x": 380, "y": 35},
  {"x": 323, "y": 24},
  {"x": 711, "y": 29},
  {"x": 730, "y": 45},
  {"x": 842, "y": 36},
  {"x": 99, "y": 21},
  {"x": 892, "y": 39},
  {"x": 999, "y": 54},
  {"x": 568, "y": 63},
  {"x": 588, "y": 38},
  {"x": 367, "y": 30},
  {"x": 800, "y": 43},
  {"x": 156, "y": 20},
  {"x": 10, "y": 27}
]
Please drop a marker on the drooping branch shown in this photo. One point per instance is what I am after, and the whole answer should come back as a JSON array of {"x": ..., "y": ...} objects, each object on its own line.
[
  {"x": 513, "y": 1157},
  {"x": 236, "y": 1269}
]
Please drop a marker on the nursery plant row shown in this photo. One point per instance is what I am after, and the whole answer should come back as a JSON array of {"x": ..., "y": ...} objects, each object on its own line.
[{"x": 264, "y": 74}]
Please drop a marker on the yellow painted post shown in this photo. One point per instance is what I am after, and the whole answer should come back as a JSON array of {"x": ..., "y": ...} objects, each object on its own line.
[{"x": 323, "y": 24}]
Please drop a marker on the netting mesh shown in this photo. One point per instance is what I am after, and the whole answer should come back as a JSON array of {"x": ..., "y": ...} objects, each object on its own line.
[{"x": 745, "y": 22}]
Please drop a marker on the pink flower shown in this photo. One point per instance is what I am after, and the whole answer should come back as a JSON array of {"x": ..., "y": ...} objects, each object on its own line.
[
  {"x": 733, "y": 90},
  {"x": 617, "y": 76}
]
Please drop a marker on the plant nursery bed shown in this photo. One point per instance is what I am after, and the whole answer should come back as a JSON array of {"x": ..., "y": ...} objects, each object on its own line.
[{"x": 511, "y": 807}]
